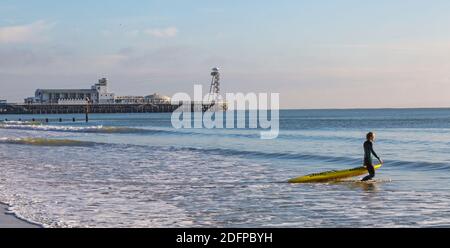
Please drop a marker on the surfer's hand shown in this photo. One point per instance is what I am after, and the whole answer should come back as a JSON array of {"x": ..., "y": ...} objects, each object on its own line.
[{"x": 381, "y": 161}]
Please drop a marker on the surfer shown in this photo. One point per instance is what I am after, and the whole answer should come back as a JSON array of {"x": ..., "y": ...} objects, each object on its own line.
[{"x": 368, "y": 151}]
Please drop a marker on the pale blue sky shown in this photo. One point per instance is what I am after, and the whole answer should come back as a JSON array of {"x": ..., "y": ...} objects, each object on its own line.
[{"x": 316, "y": 54}]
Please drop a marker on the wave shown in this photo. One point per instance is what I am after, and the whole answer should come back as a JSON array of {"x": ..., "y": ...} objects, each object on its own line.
[
  {"x": 420, "y": 165},
  {"x": 89, "y": 129},
  {"x": 254, "y": 133},
  {"x": 338, "y": 160},
  {"x": 113, "y": 130},
  {"x": 45, "y": 142},
  {"x": 248, "y": 134},
  {"x": 347, "y": 161},
  {"x": 25, "y": 123},
  {"x": 268, "y": 155}
]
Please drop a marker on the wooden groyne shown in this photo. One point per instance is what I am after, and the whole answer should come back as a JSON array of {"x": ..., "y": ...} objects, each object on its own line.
[{"x": 42, "y": 120}]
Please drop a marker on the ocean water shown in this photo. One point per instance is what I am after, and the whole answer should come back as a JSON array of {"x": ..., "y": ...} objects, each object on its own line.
[{"x": 135, "y": 170}]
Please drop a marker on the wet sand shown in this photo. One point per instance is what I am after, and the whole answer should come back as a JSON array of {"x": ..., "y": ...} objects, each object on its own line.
[{"x": 11, "y": 221}]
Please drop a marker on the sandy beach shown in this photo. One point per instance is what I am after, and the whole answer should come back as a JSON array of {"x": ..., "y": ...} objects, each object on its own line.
[{"x": 11, "y": 221}]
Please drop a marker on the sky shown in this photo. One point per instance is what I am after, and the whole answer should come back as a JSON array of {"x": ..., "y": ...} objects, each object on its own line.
[{"x": 316, "y": 53}]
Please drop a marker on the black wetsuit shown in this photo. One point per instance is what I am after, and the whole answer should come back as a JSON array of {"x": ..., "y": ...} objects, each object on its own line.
[{"x": 368, "y": 151}]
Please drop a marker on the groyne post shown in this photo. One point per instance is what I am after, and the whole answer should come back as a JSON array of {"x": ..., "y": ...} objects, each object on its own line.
[{"x": 87, "y": 110}]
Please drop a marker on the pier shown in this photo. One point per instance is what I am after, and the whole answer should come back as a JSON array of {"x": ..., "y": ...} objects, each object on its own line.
[
  {"x": 93, "y": 109},
  {"x": 98, "y": 100},
  {"x": 37, "y": 109}
]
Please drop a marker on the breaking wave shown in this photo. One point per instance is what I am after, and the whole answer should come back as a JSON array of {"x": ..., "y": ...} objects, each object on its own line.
[
  {"x": 45, "y": 142},
  {"x": 25, "y": 123},
  {"x": 109, "y": 130},
  {"x": 89, "y": 129}
]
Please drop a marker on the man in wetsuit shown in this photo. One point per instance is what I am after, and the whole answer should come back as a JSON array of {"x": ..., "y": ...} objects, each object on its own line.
[{"x": 368, "y": 151}]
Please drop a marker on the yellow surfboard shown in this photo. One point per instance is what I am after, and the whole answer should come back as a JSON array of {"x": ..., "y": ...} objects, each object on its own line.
[{"x": 332, "y": 175}]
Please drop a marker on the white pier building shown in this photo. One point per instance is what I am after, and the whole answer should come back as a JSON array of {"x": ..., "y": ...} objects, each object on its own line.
[{"x": 97, "y": 94}]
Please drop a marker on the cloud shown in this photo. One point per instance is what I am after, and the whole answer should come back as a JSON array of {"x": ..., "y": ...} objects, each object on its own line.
[
  {"x": 162, "y": 33},
  {"x": 29, "y": 33}
]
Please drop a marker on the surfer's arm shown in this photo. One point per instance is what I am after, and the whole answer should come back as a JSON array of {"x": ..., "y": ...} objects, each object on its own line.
[{"x": 374, "y": 153}]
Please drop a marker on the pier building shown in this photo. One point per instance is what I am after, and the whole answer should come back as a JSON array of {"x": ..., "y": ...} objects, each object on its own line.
[{"x": 97, "y": 94}]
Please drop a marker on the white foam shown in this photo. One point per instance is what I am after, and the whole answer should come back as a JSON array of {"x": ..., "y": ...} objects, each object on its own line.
[{"x": 51, "y": 127}]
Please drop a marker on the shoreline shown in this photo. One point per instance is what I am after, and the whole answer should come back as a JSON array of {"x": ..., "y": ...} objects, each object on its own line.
[{"x": 8, "y": 220}]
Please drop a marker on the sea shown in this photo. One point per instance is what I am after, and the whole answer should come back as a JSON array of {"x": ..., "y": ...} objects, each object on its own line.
[{"x": 136, "y": 170}]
